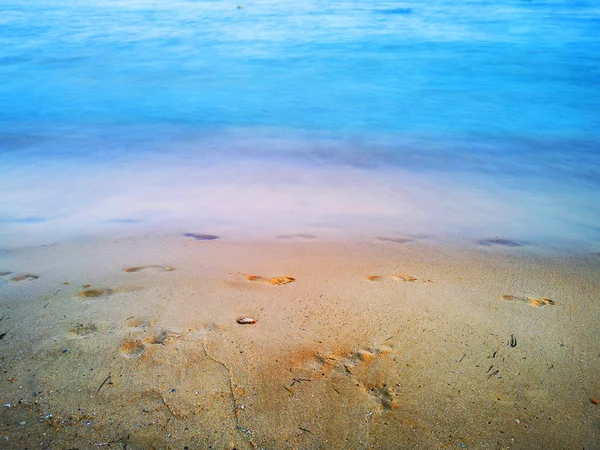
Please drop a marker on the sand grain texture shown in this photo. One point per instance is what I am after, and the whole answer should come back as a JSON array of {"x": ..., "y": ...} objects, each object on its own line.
[{"x": 333, "y": 359}]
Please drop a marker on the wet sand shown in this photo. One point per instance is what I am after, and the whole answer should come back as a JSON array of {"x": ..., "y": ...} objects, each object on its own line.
[{"x": 297, "y": 342}]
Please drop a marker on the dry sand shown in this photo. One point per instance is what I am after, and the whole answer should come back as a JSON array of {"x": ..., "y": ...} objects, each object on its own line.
[{"x": 369, "y": 344}]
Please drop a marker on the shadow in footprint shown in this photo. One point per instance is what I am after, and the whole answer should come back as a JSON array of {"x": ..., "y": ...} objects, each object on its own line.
[
  {"x": 133, "y": 347},
  {"x": 384, "y": 394}
]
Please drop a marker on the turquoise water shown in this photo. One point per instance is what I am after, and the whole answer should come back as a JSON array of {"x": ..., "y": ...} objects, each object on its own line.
[{"x": 457, "y": 120}]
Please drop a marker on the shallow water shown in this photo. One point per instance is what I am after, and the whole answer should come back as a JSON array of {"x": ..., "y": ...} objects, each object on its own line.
[{"x": 453, "y": 120}]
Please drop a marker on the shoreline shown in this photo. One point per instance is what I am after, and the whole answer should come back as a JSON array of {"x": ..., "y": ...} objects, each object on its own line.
[
  {"x": 368, "y": 344},
  {"x": 481, "y": 243}
]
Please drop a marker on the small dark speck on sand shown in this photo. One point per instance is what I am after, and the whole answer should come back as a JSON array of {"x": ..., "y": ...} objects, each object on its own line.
[
  {"x": 498, "y": 241},
  {"x": 202, "y": 237}
]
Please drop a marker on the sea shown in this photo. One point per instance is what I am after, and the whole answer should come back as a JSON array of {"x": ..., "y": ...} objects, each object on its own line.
[{"x": 460, "y": 122}]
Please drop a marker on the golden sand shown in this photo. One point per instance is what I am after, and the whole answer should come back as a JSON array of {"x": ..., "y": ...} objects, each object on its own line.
[{"x": 207, "y": 355}]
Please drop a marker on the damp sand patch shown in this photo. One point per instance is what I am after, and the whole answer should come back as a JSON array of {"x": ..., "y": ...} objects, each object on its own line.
[
  {"x": 201, "y": 236},
  {"x": 151, "y": 268},
  {"x": 395, "y": 240},
  {"x": 305, "y": 236},
  {"x": 500, "y": 242}
]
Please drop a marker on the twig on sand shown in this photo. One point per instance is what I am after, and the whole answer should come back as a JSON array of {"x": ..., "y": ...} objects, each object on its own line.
[
  {"x": 495, "y": 372},
  {"x": 53, "y": 295},
  {"x": 289, "y": 390},
  {"x": 462, "y": 357},
  {"x": 299, "y": 380},
  {"x": 304, "y": 429},
  {"x": 109, "y": 379}
]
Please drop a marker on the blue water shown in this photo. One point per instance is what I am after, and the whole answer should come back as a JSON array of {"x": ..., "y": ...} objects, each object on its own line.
[{"x": 494, "y": 106}]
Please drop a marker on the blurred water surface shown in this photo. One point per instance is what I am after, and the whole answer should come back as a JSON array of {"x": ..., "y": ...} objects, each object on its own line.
[{"x": 442, "y": 117}]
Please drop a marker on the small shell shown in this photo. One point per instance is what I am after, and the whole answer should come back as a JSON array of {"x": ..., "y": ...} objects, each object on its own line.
[{"x": 246, "y": 321}]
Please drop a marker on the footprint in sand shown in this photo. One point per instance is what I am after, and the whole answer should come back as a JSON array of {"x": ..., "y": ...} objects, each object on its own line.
[
  {"x": 81, "y": 330},
  {"x": 140, "y": 338},
  {"x": 22, "y": 277},
  {"x": 93, "y": 293},
  {"x": 367, "y": 367},
  {"x": 156, "y": 267},
  {"x": 395, "y": 277},
  {"x": 105, "y": 292},
  {"x": 133, "y": 347},
  {"x": 273, "y": 280},
  {"x": 533, "y": 301}
]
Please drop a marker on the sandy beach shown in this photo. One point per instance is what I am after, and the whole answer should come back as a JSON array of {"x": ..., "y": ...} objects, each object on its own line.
[
  {"x": 366, "y": 343},
  {"x": 299, "y": 225}
]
